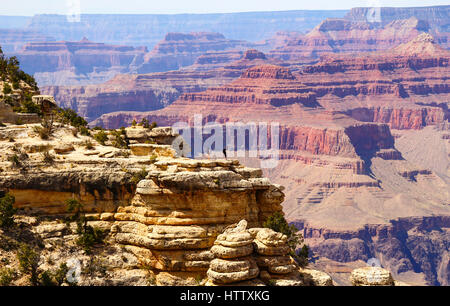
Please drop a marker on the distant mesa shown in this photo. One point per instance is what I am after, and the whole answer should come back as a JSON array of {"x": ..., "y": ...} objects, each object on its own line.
[
  {"x": 268, "y": 72},
  {"x": 254, "y": 54}
]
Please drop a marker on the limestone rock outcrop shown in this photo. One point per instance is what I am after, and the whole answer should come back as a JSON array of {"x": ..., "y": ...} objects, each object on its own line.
[
  {"x": 169, "y": 217},
  {"x": 232, "y": 263},
  {"x": 371, "y": 276}
]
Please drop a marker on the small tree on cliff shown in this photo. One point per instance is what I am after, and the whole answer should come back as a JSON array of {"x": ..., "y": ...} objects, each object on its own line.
[
  {"x": 278, "y": 223},
  {"x": 7, "y": 211},
  {"x": 88, "y": 236}
]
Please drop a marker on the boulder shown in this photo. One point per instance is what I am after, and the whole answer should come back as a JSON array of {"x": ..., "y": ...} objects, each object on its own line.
[{"x": 371, "y": 276}]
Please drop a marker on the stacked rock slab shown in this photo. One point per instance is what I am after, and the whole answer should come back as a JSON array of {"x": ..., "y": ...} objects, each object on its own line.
[
  {"x": 233, "y": 263},
  {"x": 180, "y": 209},
  {"x": 272, "y": 257},
  {"x": 167, "y": 211},
  {"x": 371, "y": 276}
]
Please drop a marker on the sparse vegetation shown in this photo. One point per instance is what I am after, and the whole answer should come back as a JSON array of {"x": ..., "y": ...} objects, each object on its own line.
[
  {"x": 88, "y": 145},
  {"x": 101, "y": 137},
  {"x": 7, "y": 275},
  {"x": 7, "y": 89},
  {"x": 46, "y": 129},
  {"x": 7, "y": 211},
  {"x": 153, "y": 158},
  {"x": 47, "y": 158},
  {"x": 278, "y": 223},
  {"x": 88, "y": 236},
  {"x": 119, "y": 140},
  {"x": 139, "y": 176},
  {"x": 69, "y": 116},
  {"x": 15, "y": 161},
  {"x": 29, "y": 262}
]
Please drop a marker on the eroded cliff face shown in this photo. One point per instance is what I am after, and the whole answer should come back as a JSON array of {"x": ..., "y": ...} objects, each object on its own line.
[
  {"x": 181, "y": 49},
  {"x": 415, "y": 249},
  {"x": 70, "y": 63},
  {"x": 144, "y": 92},
  {"x": 167, "y": 223},
  {"x": 344, "y": 36}
]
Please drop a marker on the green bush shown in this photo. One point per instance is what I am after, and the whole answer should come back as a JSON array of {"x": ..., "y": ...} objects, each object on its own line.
[
  {"x": 29, "y": 262},
  {"x": 7, "y": 275},
  {"x": 120, "y": 140},
  {"x": 139, "y": 176},
  {"x": 101, "y": 137},
  {"x": 278, "y": 223},
  {"x": 7, "y": 211},
  {"x": 48, "y": 158},
  {"x": 69, "y": 116},
  {"x": 88, "y": 236},
  {"x": 15, "y": 160},
  {"x": 7, "y": 89}
]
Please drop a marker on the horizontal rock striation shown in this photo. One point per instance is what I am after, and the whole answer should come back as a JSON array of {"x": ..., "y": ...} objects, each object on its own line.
[{"x": 70, "y": 63}]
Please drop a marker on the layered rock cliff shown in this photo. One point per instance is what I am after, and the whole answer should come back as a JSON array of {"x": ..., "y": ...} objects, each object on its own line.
[
  {"x": 345, "y": 36},
  {"x": 181, "y": 49},
  {"x": 341, "y": 174},
  {"x": 70, "y": 63},
  {"x": 146, "y": 92}
]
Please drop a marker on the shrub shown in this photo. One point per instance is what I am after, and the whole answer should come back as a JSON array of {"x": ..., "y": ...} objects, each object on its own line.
[
  {"x": 15, "y": 84},
  {"x": 1, "y": 124},
  {"x": 145, "y": 123},
  {"x": 60, "y": 274},
  {"x": 42, "y": 132},
  {"x": 47, "y": 158},
  {"x": 278, "y": 223},
  {"x": 7, "y": 275},
  {"x": 119, "y": 139},
  {"x": 54, "y": 278},
  {"x": 7, "y": 89},
  {"x": 7, "y": 211},
  {"x": 101, "y": 137},
  {"x": 124, "y": 153},
  {"x": 88, "y": 236},
  {"x": 139, "y": 176},
  {"x": 153, "y": 158},
  {"x": 84, "y": 131},
  {"x": 29, "y": 106},
  {"x": 88, "y": 145},
  {"x": 133, "y": 123},
  {"x": 71, "y": 117},
  {"x": 28, "y": 263},
  {"x": 15, "y": 160},
  {"x": 153, "y": 125}
]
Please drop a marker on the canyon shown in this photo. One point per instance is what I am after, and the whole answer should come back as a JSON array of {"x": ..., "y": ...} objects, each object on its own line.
[
  {"x": 338, "y": 156},
  {"x": 362, "y": 110}
]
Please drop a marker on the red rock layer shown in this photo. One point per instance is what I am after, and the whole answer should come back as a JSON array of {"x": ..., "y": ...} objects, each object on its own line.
[
  {"x": 179, "y": 50},
  {"x": 146, "y": 92},
  {"x": 344, "y": 36}
]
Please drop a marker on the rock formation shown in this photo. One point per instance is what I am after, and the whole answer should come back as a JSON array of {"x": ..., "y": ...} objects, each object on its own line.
[
  {"x": 179, "y": 50},
  {"x": 335, "y": 166},
  {"x": 145, "y": 92},
  {"x": 436, "y": 16},
  {"x": 83, "y": 62},
  {"x": 344, "y": 36}
]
